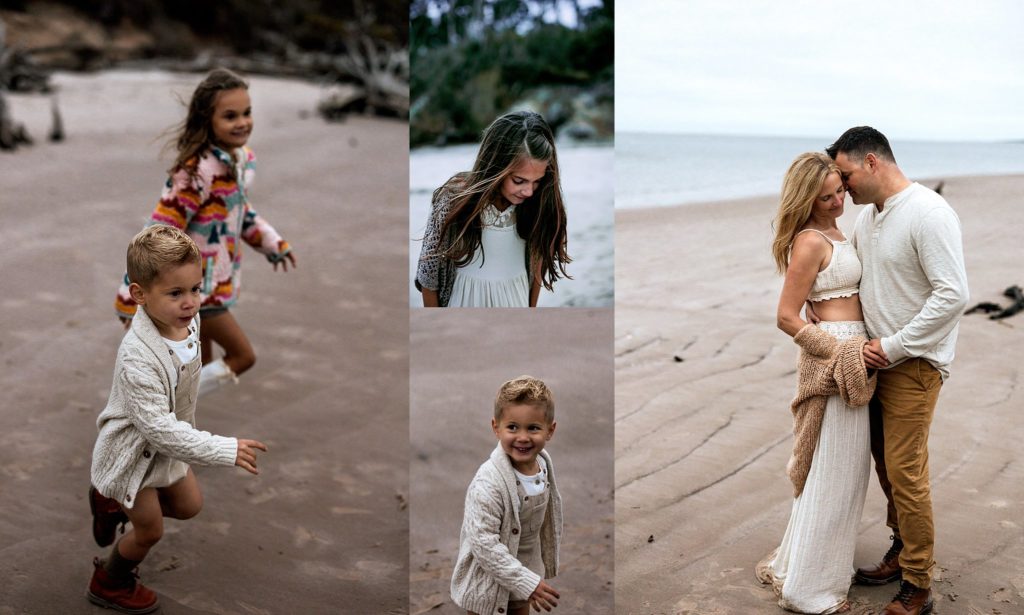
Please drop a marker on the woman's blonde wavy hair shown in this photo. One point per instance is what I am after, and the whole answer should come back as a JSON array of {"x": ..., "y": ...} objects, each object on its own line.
[{"x": 800, "y": 188}]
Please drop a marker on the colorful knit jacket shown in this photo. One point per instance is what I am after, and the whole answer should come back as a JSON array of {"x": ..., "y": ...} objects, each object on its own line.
[{"x": 207, "y": 198}]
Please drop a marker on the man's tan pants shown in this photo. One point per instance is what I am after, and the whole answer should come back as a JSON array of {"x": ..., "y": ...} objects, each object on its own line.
[{"x": 901, "y": 415}]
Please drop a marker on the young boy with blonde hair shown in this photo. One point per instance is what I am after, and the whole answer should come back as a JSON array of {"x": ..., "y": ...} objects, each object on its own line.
[
  {"x": 147, "y": 432},
  {"x": 512, "y": 524}
]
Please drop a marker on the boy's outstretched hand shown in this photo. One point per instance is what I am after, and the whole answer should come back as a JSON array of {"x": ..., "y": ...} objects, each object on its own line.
[
  {"x": 246, "y": 457},
  {"x": 544, "y": 597}
]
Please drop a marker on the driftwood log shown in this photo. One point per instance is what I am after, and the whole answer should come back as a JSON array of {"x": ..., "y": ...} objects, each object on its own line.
[
  {"x": 369, "y": 76},
  {"x": 12, "y": 133},
  {"x": 20, "y": 73},
  {"x": 382, "y": 72},
  {"x": 1014, "y": 293}
]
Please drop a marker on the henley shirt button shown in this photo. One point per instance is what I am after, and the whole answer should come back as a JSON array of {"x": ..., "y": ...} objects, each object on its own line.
[
  {"x": 526, "y": 498},
  {"x": 170, "y": 352},
  {"x": 517, "y": 482},
  {"x": 515, "y": 531}
]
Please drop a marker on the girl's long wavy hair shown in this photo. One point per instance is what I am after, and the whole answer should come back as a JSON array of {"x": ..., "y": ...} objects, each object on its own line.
[
  {"x": 195, "y": 133},
  {"x": 800, "y": 188},
  {"x": 540, "y": 220}
]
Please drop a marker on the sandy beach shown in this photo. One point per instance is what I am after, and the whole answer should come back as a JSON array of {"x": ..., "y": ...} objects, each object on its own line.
[
  {"x": 587, "y": 172},
  {"x": 453, "y": 384},
  {"x": 703, "y": 428},
  {"x": 323, "y": 527}
]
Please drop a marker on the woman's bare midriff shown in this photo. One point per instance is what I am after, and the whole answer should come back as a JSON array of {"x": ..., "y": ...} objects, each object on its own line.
[{"x": 839, "y": 309}]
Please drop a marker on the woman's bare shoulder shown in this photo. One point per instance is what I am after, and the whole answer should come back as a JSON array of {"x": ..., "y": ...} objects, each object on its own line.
[{"x": 808, "y": 248}]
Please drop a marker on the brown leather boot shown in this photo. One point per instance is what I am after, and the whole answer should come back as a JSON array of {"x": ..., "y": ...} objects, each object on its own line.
[
  {"x": 126, "y": 595},
  {"x": 911, "y": 600},
  {"x": 885, "y": 571},
  {"x": 106, "y": 516}
]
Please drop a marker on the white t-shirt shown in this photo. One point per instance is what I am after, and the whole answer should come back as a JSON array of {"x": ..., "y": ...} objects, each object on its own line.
[
  {"x": 535, "y": 484},
  {"x": 186, "y": 349}
]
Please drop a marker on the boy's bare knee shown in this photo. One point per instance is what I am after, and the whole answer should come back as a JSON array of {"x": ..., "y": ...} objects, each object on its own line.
[
  {"x": 148, "y": 535},
  {"x": 191, "y": 509}
]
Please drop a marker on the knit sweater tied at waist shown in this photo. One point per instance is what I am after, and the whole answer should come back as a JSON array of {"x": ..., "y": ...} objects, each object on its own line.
[{"x": 825, "y": 367}]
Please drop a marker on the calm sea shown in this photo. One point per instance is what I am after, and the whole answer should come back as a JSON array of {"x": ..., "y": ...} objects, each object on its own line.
[{"x": 658, "y": 170}]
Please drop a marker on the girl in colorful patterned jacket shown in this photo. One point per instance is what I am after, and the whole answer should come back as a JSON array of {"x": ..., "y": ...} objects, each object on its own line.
[
  {"x": 206, "y": 195},
  {"x": 498, "y": 232}
]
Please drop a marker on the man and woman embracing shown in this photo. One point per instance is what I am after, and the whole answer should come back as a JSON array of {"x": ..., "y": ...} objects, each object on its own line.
[{"x": 881, "y": 312}]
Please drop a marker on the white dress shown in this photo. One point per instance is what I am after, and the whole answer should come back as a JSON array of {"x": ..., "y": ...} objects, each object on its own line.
[
  {"x": 497, "y": 276},
  {"x": 813, "y": 567}
]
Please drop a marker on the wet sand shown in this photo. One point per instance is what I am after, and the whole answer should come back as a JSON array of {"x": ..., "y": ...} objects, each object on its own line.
[
  {"x": 703, "y": 428},
  {"x": 323, "y": 528},
  {"x": 453, "y": 385}
]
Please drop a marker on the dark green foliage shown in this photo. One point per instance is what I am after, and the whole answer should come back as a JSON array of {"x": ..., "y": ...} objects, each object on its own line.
[
  {"x": 314, "y": 25},
  {"x": 465, "y": 73}
]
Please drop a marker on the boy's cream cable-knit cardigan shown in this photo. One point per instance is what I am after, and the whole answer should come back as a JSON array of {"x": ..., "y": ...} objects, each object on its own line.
[
  {"x": 139, "y": 419},
  {"x": 825, "y": 367},
  {"x": 487, "y": 572}
]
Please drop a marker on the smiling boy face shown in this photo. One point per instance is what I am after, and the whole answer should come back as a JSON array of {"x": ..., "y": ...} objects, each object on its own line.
[{"x": 523, "y": 432}]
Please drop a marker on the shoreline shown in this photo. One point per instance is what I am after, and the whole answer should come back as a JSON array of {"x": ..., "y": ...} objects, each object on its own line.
[
  {"x": 703, "y": 429},
  {"x": 929, "y": 182}
]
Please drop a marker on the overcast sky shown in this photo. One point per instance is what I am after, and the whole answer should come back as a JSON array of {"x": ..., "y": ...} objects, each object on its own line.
[{"x": 939, "y": 70}]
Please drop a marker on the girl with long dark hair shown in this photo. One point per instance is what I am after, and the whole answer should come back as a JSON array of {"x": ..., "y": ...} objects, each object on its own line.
[{"x": 497, "y": 233}]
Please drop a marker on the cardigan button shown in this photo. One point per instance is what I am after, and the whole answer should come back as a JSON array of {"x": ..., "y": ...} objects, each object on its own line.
[
  {"x": 515, "y": 531},
  {"x": 501, "y": 610},
  {"x": 128, "y": 498},
  {"x": 145, "y": 454}
]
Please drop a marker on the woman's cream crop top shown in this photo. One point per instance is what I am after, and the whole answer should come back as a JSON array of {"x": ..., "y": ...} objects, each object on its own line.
[{"x": 841, "y": 278}]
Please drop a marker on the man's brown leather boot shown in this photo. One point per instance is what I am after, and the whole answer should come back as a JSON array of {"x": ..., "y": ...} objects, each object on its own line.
[
  {"x": 886, "y": 571},
  {"x": 911, "y": 600}
]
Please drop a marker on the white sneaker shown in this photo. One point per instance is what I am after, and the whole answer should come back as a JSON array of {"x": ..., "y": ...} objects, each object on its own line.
[{"x": 214, "y": 375}]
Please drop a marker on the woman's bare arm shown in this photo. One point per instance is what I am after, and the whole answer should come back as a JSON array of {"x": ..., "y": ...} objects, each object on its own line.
[{"x": 810, "y": 253}]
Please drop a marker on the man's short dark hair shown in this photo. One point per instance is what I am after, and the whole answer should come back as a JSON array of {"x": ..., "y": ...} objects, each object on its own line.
[{"x": 860, "y": 141}]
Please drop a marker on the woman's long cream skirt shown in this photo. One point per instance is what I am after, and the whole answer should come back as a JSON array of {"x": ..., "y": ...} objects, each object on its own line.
[{"x": 813, "y": 567}]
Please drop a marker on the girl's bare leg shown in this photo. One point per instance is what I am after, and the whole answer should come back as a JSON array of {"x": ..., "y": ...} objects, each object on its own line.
[
  {"x": 183, "y": 499},
  {"x": 223, "y": 330},
  {"x": 147, "y": 526}
]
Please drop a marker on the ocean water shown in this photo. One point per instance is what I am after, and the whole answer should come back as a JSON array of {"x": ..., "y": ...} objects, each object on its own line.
[{"x": 653, "y": 170}]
